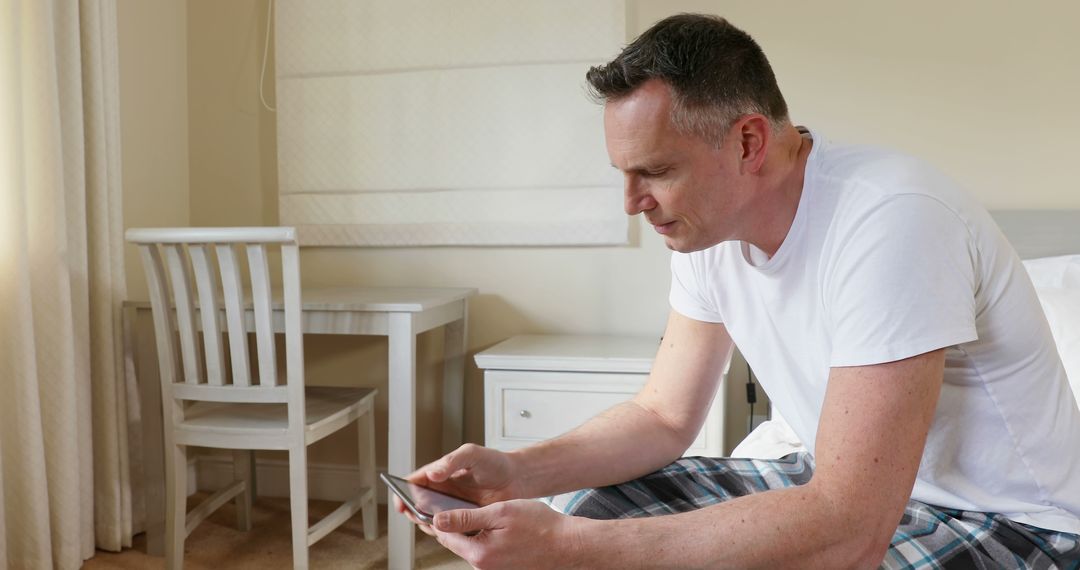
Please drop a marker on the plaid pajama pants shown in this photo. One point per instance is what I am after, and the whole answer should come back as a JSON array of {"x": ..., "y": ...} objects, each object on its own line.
[{"x": 928, "y": 537}]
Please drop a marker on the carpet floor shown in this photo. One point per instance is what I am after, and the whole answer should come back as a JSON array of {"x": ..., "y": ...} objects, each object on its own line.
[{"x": 217, "y": 545}]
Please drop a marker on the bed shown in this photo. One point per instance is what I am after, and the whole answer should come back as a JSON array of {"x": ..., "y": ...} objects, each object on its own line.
[{"x": 1049, "y": 243}]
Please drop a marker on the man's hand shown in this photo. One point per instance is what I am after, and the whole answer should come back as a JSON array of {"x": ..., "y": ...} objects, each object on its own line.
[
  {"x": 478, "y": 474},
  {"x": 511, "y": 534}
]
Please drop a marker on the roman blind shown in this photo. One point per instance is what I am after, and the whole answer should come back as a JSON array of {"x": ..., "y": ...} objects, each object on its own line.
[{"x": 425, "y": 122}]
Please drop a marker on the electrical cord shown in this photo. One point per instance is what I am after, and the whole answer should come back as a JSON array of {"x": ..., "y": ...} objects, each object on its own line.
[
  {"x": 266, "y": 50},
  {"x": 751, "y": 398}
]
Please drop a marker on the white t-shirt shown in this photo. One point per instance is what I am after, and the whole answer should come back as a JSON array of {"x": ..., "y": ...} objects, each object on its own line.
[{"x": 887, "y": 259}]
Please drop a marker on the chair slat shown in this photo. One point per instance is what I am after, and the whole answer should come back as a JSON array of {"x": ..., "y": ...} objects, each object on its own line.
[
  {"x": 249, "y": 394},
  {"x": 163, "y": 321},
  {"x": 206, "y": 286},
  {"x": 294, "y": 343},
  {"x": 233, "y": 290},
  {"x": 180, "y": 278},
  {"x": 264, "y": 326}
]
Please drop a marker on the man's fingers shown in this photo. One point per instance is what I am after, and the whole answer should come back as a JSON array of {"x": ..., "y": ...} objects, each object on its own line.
[
  {"x": 400, "y": 507},
  {"x": 464, "y": 521},
  {"x": 426, "y": 529},
  {"x": 454, "y": 462}
]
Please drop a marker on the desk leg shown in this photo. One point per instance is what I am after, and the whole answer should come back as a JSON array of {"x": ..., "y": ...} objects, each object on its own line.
[
  {"x": 153, "y": 459},
  {"x": 402, "y": 434},
  {"x": 456, "y": 336}
]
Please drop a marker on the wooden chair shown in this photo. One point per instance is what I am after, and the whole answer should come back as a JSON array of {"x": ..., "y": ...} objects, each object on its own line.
[{"x": 206, "y": 406}]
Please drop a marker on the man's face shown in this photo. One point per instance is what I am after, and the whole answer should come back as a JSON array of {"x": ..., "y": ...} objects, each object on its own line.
[{"x": 687, "y": 189}]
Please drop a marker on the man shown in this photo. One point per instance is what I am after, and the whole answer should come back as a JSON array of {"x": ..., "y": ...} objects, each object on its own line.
[{"x": 886, "y": 316}]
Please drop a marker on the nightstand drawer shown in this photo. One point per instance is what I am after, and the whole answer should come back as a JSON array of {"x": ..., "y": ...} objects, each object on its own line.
[
  {"x": 543, "y": 414},
  {"x": 540, "y": 387}
]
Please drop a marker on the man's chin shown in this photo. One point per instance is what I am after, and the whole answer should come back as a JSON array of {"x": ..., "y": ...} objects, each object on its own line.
[
  {"x": 683, "y": 247},
  {"x": 680, "y": 247}
]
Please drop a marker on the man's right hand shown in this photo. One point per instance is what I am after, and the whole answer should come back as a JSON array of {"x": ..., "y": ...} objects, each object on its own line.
[{"x": 472, "y": 472}]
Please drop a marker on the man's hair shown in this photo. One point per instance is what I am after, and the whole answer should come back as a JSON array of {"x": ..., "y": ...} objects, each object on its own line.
[{"x": 716, "y": 72}]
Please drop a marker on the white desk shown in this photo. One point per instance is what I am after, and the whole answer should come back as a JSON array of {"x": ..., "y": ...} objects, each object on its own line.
[{"x": 397, "y": 313}]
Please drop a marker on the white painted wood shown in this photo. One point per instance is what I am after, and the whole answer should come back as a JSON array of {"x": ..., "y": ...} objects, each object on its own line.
[
  {"x": 326, "y": 481},
  {"x": 576, "y": 353},
  {"x": 454, "y": 347},
  {"x": 543, "y": 392},
  {"x": 348, "y": 311},
  {"x": 249, "y": 394},
  {"x": 206, "y": 286},
  {"x": 331, "y": 521},
  {"x": 211, "y": 504},
  {"x": 175, "y": 502},
  {"x": 155, "y": 468},
  {"x": 233, "y": 291},
  {"x": 226, "y": 425},
  {"x": 258, "y": 234},
  {"x": 294, "y": 342},
  {"x": 139, "y": 460},
  {"x": 354, "y": 310},
  {"x": 367, "y": 479},
  {"x": 438, "y": 317},
  {"x": 536, "y": 414},
  {"x": 244, "y": 472},
  {"x": 402, "y": 434},
  {"x": 368, "y": 301},
  {"x": 264, "y": 331},
  {"x": 180, "y": 279},
  {"x": 298, "y": 503},
  {"x": 221, "y": 415}
]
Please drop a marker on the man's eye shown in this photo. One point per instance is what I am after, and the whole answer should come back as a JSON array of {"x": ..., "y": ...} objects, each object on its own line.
[{"x": 659, "y": 172}]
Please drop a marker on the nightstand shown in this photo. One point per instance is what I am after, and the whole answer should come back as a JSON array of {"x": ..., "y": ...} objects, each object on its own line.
[{"x": 539, "y": 386}]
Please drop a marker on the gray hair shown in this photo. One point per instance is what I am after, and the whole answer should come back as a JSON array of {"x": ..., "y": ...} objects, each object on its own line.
[{"x": 716, "y": 72}]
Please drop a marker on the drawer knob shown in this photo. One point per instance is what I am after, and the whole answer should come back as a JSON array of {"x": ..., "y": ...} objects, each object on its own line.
[{"x": 525, "y": 414}]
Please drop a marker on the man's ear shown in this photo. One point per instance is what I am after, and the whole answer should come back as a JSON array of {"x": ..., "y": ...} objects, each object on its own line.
[{"x": 755, "y": 135}]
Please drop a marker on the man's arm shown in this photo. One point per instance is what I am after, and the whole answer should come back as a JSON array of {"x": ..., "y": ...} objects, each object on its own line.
[
  {"x": 869, "y": 444},
  {"x": 644, "y": 434},
  {"x": 624, "y": 442}
]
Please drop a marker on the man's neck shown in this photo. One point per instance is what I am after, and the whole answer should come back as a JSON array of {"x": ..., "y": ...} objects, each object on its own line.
[{"x": 780, "y": 202}]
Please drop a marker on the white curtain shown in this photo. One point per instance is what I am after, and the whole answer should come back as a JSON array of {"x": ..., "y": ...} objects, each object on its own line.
[{"x": 63, "y": 429}]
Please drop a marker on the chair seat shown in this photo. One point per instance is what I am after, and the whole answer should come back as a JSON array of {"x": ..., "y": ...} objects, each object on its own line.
[{"x": 265, "y": 426}]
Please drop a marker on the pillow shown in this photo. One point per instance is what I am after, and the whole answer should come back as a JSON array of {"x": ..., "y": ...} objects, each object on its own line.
[
  {"x": 1062, "y": 271},
  {"x": 1062, "y": 308}
]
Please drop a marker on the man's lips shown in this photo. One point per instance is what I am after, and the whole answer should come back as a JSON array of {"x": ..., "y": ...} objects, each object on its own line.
[{"x": 663, "y": 229}]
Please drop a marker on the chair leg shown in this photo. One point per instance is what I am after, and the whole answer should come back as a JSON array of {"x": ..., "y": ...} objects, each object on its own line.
[
  {"x": 369, "y": 510},
  {"x": 242, "y": 471},
  {"x": 254, "y": 479},
  {"x": 298, "y": 495},
  {"x": 175, "y": 505}
]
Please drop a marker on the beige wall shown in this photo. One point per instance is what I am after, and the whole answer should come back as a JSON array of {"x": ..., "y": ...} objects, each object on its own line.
[
  {"x": 986, "y": 89},
  {"x": 983, "y": 89},
  {"x": 153, "y": 120}
]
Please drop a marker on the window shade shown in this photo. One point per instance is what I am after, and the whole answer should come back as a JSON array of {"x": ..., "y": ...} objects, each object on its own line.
[{"x": 411, "y": 123}]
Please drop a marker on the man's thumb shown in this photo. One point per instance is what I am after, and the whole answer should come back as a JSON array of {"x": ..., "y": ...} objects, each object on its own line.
[{"x": 463, "y": 520}]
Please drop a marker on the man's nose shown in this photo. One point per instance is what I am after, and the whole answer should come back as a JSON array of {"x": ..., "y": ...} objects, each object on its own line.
[{"x": 637, "y": 197}]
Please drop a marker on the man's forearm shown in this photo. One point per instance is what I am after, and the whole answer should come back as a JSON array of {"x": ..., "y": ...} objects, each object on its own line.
[{"x": 623, "y": 443}]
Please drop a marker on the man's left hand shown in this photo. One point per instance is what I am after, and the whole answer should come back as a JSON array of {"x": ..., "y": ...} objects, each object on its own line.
[{"x": 510, "y": 534}]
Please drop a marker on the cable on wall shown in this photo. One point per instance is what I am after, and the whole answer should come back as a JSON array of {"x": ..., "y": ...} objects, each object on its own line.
[{"x": 266, "y": 50}]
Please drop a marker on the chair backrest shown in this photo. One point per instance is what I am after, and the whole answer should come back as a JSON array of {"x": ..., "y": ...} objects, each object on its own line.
[{"x": 183, "y": 282}]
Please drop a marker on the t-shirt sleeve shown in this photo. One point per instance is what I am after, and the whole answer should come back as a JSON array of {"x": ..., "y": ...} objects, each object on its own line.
[
  {"x": 689, "y": 290},
  {"x": 901, "y": 282}
]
